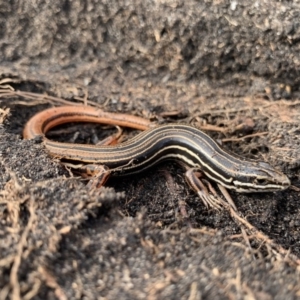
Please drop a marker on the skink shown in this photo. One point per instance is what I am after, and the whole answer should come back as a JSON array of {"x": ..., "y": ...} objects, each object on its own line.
[{"x": 184, "y": 143}]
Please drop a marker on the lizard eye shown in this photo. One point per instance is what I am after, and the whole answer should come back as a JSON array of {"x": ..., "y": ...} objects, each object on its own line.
[{"x": 261, "y": 181}]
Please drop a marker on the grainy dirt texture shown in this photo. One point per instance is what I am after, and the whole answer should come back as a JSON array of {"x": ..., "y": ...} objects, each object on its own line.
[{"x": 229, "y": 68}]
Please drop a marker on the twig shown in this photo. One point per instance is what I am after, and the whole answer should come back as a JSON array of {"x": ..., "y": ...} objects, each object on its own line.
[
  {"x": 14, "y": 282},
  {"x": 245, "y": 137},
  {"x": 42, "y": 98}
]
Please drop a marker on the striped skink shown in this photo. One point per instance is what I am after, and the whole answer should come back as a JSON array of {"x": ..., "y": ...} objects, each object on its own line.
[{"x": 185, "y": 143}]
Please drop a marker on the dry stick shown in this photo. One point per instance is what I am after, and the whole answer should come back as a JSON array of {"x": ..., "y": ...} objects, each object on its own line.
[
  {"x": 34, "y": 290},
  {"x": 233, "y": 207},
  {"x": 194, "y": 292},
  {"x": 258, "y": 234},
  {"x": 14, "y": 283},
  {"x": 52, "y": 283},
  {"x": 245, "y": 137},
  {"x": 264, "y": 104},
  {"x": 227, "y": 196},
  {"x": 219, "y": 111},
  {"x": 39, "y": 98},
  {"x": 3, "y": 114},
  {"x": 209, "y": 127},
  {"x": 44, "y": 98},
  {"x": 7, "y": 80},
  {"x": 283, "y": 102},
  {"x": 261, "y": 236}
]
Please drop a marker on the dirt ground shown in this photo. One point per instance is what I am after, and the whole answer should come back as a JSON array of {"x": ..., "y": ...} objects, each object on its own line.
[{"x": 228, "y": 68}]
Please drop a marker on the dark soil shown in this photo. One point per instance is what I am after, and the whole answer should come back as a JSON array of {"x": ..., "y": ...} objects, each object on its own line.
[{"x": 228, "y": 68}]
